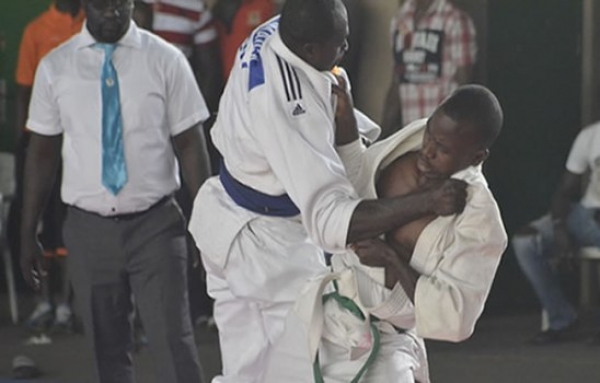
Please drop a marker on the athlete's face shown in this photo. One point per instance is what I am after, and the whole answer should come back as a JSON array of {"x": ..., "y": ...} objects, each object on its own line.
[
  {"x": 108, "y": 20},
  {"x": 449, "y": 147},
  {"x": 324, "y": 56}
]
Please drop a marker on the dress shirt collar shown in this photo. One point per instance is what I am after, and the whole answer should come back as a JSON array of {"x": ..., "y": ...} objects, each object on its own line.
[{"x": 132, "y": 37}]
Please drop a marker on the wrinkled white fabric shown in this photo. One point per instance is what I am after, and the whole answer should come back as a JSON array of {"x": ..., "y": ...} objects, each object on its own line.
[
  {"x": 457, "y": 257},
  {"x": 277, "y": 137}
]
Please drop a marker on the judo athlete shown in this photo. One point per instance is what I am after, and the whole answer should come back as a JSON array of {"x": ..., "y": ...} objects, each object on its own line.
[
  {"x": 282, "y": 195},
  {"x": 429, "y": 279}
]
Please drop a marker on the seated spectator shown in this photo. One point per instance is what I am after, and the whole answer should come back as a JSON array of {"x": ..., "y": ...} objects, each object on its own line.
[{"x": 553, "y": 238}]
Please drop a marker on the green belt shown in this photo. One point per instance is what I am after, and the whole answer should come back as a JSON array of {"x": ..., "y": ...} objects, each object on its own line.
[{"x": 352, "y": 307}]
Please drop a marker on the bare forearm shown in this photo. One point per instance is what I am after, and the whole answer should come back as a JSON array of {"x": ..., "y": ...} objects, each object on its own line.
[
  {"x": 392, "y": 111},
  {"x": 372, "y": 218},
  {"x": 346, "y": 127},
  {"x": 560, "y": 208},
  {"x": 568, "y": 190},
  {"x": 23, "y": 97},
  {"x": 41, "y": 165},
  {"x": 395, "y": 261},
  {"x": 400, "y": 271},
  {"x": 192, "y": 153}
]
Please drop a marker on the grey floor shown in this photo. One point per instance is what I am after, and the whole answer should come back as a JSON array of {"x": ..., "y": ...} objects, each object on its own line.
[{"x": 497, "y": 353}]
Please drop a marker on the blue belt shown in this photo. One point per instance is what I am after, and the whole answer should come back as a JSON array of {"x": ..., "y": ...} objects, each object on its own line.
[{"x": 253, "y": 200}]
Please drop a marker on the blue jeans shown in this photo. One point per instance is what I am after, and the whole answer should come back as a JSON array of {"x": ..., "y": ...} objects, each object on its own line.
[{"x": 534, "y": 252}]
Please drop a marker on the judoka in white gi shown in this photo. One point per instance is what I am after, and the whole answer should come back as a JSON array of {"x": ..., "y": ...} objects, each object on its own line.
[
  {"x": 282, "y": 195},
  {"x": 429, "y": 279}
]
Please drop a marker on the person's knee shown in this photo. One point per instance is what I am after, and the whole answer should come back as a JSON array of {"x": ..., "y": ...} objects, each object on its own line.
[{"x": 523, "y": 242}]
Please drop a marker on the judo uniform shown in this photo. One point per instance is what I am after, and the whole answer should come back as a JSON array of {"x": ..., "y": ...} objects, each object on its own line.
[
  {"x": 282, "y": 196},
  {"x": 457, "y": 257}
]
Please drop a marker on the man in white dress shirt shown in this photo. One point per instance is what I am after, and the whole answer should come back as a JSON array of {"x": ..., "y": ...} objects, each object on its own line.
[
  {"x": 125, "y": 109},
  {"x": 282, "y": 195}
]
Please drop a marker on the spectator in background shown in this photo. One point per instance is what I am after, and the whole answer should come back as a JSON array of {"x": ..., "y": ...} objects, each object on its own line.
[
  {"x": 542, "y": 245},
  {"x": 189, "y": 25},
  {"x": 123, "y": 109},
  {"x": 142, "y": 14},
  {"x": 236, "y": 19},
  {"x": 434, "y": 51},
  {"x": 62, "y": 20}
]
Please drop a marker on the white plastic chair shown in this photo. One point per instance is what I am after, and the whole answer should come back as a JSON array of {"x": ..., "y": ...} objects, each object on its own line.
[
  {"x": 589, "y": 281},
  {"x": 7, "y": 190}
]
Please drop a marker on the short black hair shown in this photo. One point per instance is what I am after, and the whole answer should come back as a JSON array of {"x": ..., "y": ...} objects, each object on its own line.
[
  {"x": 307, "y": 21},
  {"x": 478, "y": 106}
]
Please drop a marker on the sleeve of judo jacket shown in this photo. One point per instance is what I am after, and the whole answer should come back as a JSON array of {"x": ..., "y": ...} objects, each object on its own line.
[{"x": 450, "y": 298}]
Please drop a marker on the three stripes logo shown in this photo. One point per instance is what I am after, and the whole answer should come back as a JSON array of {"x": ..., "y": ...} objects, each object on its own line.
[{"x": 291, "y": 86}]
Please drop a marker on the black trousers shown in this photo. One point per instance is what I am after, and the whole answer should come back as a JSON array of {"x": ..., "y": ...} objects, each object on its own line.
[{"x": 115, "y": 262}]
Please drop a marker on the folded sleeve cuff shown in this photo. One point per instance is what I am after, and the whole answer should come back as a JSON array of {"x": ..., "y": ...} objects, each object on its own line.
[{"x": 396, "y": 303}]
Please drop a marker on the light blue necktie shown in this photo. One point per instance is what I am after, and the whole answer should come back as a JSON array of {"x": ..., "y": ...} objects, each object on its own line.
[{"x": 114, "y": 171}]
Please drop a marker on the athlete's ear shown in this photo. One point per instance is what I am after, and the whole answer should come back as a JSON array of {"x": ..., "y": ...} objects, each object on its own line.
[
  {"x": 310, "y": 52},
  {"x": 480, "y": 156}
]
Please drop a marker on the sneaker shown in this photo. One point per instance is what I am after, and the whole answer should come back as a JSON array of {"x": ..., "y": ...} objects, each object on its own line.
[
  {"x": 551, "y": 336},
  {"x": 41, "y": 316},
  {"x": 63, "y": 319},
  {"x": 24, "y": 367}
]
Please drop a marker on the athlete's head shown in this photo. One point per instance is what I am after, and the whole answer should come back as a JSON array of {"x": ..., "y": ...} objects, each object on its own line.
[
  {"x": 460, "y": 132},
  {"x": 315, "y": 30}
]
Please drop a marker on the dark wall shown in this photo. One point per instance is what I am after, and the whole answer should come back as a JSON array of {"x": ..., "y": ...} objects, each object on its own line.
[{"x": 534, "y": 67}]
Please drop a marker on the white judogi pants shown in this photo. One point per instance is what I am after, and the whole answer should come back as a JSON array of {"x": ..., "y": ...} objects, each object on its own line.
[
  {"x": 399, "y": 361},
  {"x": 344, "y": 343},
  {"x": 269, "y": 262}
]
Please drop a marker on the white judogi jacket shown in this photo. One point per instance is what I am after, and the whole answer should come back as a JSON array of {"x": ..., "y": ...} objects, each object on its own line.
[
  {"x": 457, "y": 257},
  {"x": 275, "y": 131}
]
